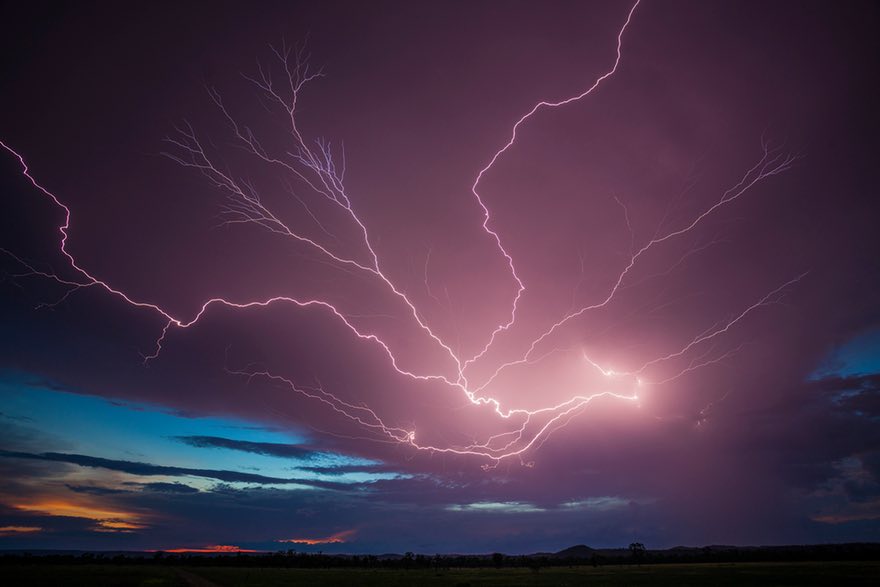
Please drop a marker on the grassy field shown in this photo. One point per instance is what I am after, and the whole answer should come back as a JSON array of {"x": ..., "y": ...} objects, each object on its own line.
[
  {"x": 761, "y": 574},
  {"x": 678, "y": 575},
  {"x": 90, "y": 576}
]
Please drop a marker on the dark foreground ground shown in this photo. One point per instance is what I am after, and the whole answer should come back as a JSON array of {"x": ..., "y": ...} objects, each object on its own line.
[{"x": 716, "y": 574}]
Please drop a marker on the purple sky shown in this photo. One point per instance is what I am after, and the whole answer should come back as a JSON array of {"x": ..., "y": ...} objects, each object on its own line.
[{"x": 701, "y": 227}]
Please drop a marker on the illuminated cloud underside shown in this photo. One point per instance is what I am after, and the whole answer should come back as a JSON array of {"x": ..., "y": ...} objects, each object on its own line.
[{"x": 337, "y": 538}]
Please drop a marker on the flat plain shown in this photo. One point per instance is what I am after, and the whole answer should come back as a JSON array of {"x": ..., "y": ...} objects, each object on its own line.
[{"x": 722, "y": 574}]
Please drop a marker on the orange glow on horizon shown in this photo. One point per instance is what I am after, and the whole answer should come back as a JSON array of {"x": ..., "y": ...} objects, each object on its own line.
[
  {"x": 213, "y": 548},
  {"x": 337, "y": 538}
]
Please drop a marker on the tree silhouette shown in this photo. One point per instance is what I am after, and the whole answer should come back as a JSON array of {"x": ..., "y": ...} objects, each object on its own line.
[{"x": 637, "y": 549}]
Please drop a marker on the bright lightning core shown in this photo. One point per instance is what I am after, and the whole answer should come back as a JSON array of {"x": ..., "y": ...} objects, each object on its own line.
[{"x": 482, "y": 379}]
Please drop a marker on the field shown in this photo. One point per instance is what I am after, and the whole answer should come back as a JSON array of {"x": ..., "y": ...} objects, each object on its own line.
[
  {"x": 833, "y": 573},
  {"x": 42, "y": 575}
]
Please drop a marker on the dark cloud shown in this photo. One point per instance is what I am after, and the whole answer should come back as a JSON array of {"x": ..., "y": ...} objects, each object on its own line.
[
  {"x": 261, "y": 448},
  {"x": 344, "y": 469},
  {"x": 159, "y": 487},
  {"x": 93, "y": 489},
  {"x": 16, "y": 418},
  {"x": 168, "y": 487},
  {"x": 137, "y": 468}
]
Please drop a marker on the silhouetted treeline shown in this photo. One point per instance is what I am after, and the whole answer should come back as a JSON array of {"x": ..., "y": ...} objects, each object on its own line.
[{"x": 583, "y": 556}]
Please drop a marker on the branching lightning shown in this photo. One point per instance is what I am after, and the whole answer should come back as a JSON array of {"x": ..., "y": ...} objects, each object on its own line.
[{"x": 317, "y": 166}]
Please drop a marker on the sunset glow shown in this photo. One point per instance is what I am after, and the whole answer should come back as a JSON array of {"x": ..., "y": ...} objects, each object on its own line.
[
  {"x": 211, "y": 549},
  {"x": 107, "y": 520}
]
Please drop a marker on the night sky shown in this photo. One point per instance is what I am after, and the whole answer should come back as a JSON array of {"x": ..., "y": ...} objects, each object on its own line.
[{"x": 321, "y": 290}]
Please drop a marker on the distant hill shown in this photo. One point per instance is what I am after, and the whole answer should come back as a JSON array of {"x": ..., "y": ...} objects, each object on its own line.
[
  {"x": 578, "y": 551},
  {"x": 724, "y": 552},
  {"x": 579, "y": 554}
]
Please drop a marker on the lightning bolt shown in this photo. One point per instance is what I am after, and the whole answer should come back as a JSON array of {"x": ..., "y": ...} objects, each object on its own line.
[
  {"x": 317, "y": 166},
  {"x": 487, "y": 216}
]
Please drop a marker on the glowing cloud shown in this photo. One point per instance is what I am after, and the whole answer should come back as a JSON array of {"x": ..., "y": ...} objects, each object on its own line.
[
  {"x": 495, "y": 507},
  {"x": 106, "y": 520},
  {"x": 337, "y": 538}
]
